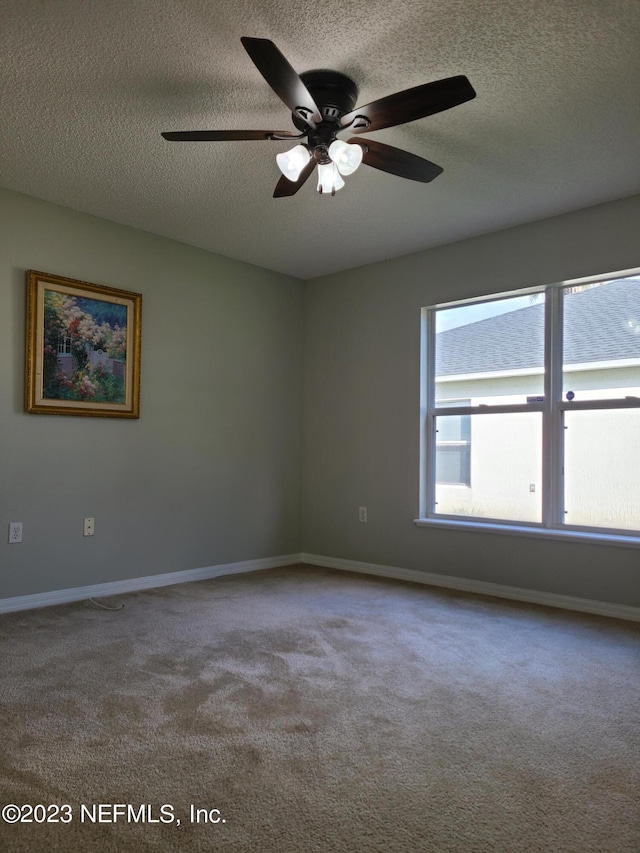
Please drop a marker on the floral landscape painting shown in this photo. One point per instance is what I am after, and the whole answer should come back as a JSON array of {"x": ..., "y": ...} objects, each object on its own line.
[{"x": 83, "y": 348}]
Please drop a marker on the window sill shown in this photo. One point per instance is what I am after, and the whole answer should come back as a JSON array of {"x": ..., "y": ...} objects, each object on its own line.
[{"x": 610, "y": 539}]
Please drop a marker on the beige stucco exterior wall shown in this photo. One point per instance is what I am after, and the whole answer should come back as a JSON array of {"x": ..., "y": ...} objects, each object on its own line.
[{"x": 601, "y": 489}]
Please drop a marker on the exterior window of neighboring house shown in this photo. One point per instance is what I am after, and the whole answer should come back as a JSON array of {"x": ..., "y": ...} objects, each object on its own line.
[
  {"x": 64, "y": 345},
  {"x": 548, "y": 383},
  {"x": 453, "y": 449}
]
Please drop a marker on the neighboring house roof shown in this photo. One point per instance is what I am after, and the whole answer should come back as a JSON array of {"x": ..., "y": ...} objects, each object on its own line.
[{"x": 601, "y": 324}]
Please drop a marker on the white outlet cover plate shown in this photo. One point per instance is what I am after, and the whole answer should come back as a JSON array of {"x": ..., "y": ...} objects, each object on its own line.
[{"x": 15, "y": 532}]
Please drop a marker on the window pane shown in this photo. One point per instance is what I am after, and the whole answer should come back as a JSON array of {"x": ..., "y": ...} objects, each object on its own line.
[
  {"x": 602, "y": 468},
  {"x": 453, "y": 428},
  {"x": 601, "y": 348},
  {"x": 505, "y": 469},
  {"x": 453, "y": 464},
  {"x": 490, "y": 352},
  {"x": 452, "y": 449}
]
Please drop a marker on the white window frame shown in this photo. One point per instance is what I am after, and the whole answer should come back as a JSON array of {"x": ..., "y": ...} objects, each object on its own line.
[{"x": 553, "y": 409}]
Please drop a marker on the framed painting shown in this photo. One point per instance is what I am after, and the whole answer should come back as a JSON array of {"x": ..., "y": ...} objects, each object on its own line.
[{"x": 83, "y": 348}]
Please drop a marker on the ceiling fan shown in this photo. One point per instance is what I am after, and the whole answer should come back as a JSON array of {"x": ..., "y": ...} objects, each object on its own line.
[{"x": 322, "y": 104}]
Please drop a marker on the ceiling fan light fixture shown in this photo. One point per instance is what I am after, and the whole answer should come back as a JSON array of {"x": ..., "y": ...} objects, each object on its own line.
[
  {"x": 329, "y": 180},
  {"x": 291, "y": 163},
  {"x": 346, "y": 156}
]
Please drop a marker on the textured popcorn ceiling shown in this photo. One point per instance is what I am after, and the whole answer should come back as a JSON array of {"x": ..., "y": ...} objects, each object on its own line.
[{"x": 86, "y": 88}]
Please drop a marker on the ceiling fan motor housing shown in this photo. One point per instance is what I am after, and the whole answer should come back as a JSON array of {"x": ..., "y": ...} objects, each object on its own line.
[{"x": 335, "y": 94}]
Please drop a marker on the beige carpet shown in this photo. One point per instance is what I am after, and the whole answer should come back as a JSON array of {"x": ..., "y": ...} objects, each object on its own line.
[{"x": 320, "y": 711}]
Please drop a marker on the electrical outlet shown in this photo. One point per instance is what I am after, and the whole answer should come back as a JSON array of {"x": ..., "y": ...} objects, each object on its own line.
[
  {"x": 89, "y": 526},
  {"x": 362, "y": 514},
  {"x": 15, "y": 532}
]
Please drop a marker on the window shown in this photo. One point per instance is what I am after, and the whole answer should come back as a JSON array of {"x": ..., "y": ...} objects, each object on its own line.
[
  {"x": 64, "y": 345},
  {"x": 548, "y": 384},
  {"x": 453, "y": 449}
]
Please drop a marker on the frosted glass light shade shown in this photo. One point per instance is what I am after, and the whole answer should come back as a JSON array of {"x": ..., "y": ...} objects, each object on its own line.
[
  {"x": 346, "y": 156},
  {"x": 291, "y": 163},
  {"x": 329, "y": 180}
]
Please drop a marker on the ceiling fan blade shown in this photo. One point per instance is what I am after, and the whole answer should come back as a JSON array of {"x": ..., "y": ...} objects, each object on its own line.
[
  {"x": 411, "y": 104},
  {"x": 396, "y": 161},
  {"x": 222, "y": 135},
  {"x": 282, "y": 78},
  {"x": 285, "y": 187}
]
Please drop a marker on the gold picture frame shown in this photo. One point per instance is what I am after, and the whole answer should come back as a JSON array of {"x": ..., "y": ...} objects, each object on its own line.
[{"x": 82, "y": 349}]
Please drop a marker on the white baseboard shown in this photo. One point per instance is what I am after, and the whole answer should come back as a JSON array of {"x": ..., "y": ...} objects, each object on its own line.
[
  {"x": 566, "y": 602},
  {"x": 100, "y": 590}
]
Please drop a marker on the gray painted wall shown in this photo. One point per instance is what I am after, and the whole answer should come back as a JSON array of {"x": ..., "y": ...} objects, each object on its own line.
[
  {"x": 362, "y": 374},
  {"x": 210, "y": 473},
  {"x": 214, "y": 470}
]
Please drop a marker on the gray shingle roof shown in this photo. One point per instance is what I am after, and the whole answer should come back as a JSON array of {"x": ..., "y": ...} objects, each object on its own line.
[{"x": 601, "y": 324}]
